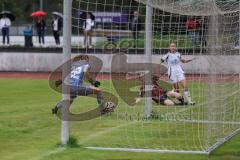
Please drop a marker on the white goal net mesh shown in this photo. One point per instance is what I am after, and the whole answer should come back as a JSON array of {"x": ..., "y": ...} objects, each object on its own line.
[
  {"x": 213, "y": 78},
  {"x": 195, "y": 7}
]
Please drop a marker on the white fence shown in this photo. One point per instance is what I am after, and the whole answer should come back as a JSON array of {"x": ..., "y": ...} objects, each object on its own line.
[{"x": 49, "y": 61}]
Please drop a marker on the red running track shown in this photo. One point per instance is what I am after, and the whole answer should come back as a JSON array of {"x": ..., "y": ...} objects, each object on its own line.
[{"x": 190, "y": 77}]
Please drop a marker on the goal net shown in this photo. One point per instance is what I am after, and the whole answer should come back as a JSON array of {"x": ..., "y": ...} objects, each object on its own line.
[{"x": 126, "y": 39}]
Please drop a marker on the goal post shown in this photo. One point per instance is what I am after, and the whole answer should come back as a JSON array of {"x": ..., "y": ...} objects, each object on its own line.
[
  {"x": 67, "y": 36},
  {"x": 148, "y": 52}
]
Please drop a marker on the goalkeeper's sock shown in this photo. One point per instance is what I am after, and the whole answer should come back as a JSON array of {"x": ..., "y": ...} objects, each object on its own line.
[
  {"x": 55, "y": 109},
  {"x": 100, "y": 100},
  {"x": 59, "y": 105}
]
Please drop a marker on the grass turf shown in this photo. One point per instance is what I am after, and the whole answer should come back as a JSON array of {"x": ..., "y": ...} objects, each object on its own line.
[{"x": 29, "y": 131}]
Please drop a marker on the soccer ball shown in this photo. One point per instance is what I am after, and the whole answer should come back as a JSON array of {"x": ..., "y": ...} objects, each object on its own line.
[{"x": 109, "y": 107}]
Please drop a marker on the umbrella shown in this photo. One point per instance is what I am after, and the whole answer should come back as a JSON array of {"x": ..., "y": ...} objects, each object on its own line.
[
  {"x": 7, "y": 14},
  {"x": 83, "y": 15},
  {"x": 38, "y": 14},
  {"x": 58, "y": 14}
]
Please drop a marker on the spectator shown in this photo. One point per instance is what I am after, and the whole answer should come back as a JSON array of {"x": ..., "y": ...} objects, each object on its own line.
[
  {"x": 135, "y": 27},
  {"x": 237, "y": 41},
  {"x": 203, "y": 32},
  {"x": 192, "y": 26},
  {"x": 237, "y": 45},
  {"x": 56, "y": 28},
  {"x": 40, "y": 25},
  {"x": 28, "y": 33},
  {"x": 88, "y": 25},
  {"x": 5, "y": 24}
]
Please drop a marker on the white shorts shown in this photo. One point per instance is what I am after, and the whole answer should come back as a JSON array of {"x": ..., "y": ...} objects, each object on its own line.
[{"x": 176, "y": 77}]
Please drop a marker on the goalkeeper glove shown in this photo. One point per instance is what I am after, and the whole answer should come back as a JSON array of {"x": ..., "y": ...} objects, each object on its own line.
[
  {"x": 58, "y": 83},
  {"x": 95, "y": 83}
]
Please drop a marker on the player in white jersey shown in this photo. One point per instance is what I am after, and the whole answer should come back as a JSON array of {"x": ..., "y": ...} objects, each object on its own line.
[{"x": 175, "y": 72}]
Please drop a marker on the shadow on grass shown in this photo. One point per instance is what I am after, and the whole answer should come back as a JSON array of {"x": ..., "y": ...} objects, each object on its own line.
[{"x": 72, "y": 143}]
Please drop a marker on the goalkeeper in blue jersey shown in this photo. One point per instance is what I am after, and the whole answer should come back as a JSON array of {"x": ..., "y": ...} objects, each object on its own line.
[{"x": 80, "y": 71}]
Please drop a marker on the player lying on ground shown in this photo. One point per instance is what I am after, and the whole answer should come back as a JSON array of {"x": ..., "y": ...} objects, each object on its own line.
[
  {"x": 175, "y": 72},
  {"x": 160, "y": 95},
  {"x": 80, "y": 71}
]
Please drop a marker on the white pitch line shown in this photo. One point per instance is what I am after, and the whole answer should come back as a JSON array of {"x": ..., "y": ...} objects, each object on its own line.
[
  {"x": 148, "y": 150},
  {"x": 97, "y": 134},
  {"x": 49, "y": 153},
  {"x": 211, "y": 122},
  {"x": 61, "y": 149}
]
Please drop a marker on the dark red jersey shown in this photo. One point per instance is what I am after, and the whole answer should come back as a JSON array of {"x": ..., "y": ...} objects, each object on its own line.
[{"x": 157, "y": 91}]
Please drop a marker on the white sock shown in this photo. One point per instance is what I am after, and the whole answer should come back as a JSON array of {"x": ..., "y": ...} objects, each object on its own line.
[
  {"x": 186, "y": 93},
  {"x": 186, "y": 96}
]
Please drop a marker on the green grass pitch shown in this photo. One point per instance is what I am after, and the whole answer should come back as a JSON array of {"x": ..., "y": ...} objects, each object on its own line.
[{"x": 28, "y": 131}]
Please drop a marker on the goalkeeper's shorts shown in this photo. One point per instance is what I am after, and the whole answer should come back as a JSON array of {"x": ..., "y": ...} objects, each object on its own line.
[
  {"x": 161, "y": 99},
  {"x": 80, "y": 91}
]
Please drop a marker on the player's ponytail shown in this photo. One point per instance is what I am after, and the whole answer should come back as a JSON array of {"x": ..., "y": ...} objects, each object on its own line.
[{"x": 80, "y": 58}]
